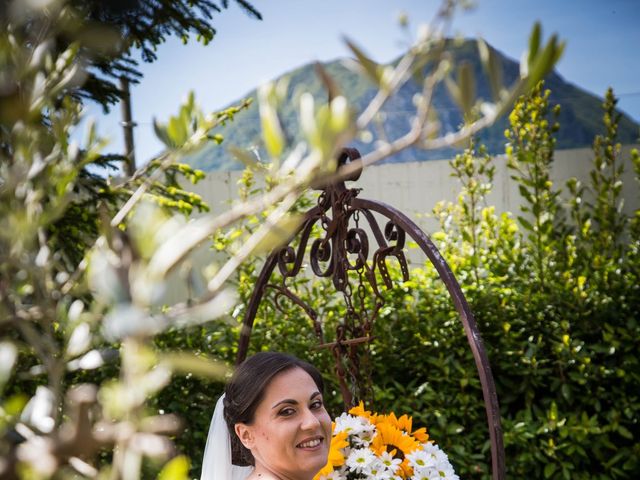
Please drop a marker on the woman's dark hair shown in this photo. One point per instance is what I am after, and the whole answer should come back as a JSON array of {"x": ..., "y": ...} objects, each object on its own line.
[{"x": 245, "y": 391}]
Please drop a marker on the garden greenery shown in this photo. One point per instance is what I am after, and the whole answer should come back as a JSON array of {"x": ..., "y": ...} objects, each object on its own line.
[{"x": 554, "y": 288}]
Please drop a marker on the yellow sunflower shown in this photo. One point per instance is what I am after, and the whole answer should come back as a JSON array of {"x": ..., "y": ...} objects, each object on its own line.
[
  {"x": 335, "y": 458},
  {"x": 390, "y": 438},
  {"x": 359, "y": 411},
  {"x": 402, "y": 423},
  {"x": 405, "y": 424},
  {"x": 421, "y": 435}
]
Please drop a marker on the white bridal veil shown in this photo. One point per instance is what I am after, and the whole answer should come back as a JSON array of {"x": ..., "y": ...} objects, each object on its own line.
[{"x": 216, "y": 463}]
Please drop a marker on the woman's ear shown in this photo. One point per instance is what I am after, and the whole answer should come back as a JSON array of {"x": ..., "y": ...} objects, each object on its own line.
[{"x": 245, "y": 434}]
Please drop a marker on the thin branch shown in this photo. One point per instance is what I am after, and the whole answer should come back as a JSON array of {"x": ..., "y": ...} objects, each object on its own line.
[
  {"x": 176, "y": 248},
  {"x": 141, "y": 190},
  {"x": 252, "y": 243}
]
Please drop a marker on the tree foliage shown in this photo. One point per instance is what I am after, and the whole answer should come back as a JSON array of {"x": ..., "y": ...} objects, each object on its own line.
[{"x": 113, "y": 35}]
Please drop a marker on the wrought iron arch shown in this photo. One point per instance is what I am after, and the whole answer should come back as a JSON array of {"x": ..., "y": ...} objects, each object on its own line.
[{"x": 334, "y": 249}]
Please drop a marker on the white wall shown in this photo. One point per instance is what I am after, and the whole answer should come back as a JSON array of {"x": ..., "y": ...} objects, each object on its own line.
[{"x": 415, "y": 187}]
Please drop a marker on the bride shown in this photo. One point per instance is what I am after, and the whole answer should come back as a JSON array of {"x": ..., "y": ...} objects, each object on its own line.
[{"x": 270, "y": 424}]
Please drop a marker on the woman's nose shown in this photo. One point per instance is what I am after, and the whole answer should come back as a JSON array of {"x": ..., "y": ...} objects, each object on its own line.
[{"x": 309, "y": 420}]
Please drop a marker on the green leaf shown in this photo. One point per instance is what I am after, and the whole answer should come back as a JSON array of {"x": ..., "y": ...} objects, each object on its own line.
[
  {"x": 566, "y": 391},
  {"x": 545, "y": 61},
  {"x": 177, "y": 131},
  {"x": 186, "y": 363},
  {"x": 534, "y": 42},
  {"x": 625, "y": 433},
  {"x": 549, "y": 470},
  {"x": 525, "y": 223},
  {"x": 454, "y": 90},
  {"x": 271, "y": 130},
  {"x": 371, "y": 68},
  {"x": 246, "y": 157},
  {"x": 492, "y": 67},
  {"x": 14, "y": 404},
  {"x": 463, "y": 91},
  {"x": 339, "y": 115},
  {"x": 525, "y": 193},
  {"x": 467, "y": 85},
  {"x": 161, "y": 132},
  {"x": 279, "y": 233},
  {"x": 272, "y": 135}
]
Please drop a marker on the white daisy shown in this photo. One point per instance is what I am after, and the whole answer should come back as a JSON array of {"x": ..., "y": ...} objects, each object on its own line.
[
  {"x": 431, "y": 463},
  {"x": 420, "y": 459},
  {"x": 389, "y": 462},
  {"x": 445, "y": 471},
  {"x": 377, "y": 470},
  {"x": 359, "y": 459},
  {"x": 335, "y": 475},
  {"x": 360, "y": 429},
  {"x": 426, "y": 473}
]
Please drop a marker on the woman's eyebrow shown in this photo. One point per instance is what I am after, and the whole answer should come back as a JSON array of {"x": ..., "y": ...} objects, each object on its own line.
[
  {"x": 291, "y": 401},
  {"x": 286, "y": 400}
]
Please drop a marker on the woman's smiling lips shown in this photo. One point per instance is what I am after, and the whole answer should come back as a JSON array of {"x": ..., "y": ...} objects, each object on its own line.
[{"x": 310, "y": 443}]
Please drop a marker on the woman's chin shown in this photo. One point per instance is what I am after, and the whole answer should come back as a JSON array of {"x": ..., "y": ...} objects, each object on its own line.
[
  {"x": 315, "y": 461},
  {"x": 319, "y": 465}
]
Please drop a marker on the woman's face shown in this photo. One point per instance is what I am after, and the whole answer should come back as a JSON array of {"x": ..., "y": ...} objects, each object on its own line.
[{"x": 291, "y": 431}]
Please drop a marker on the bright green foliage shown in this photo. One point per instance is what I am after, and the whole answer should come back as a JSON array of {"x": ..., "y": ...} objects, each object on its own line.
[
  {"x": 606, "y": 181},
  {"x": 475, "y": 171},
  {"x": 635, "y": 221},
  {"x": 530, "y": 155}
]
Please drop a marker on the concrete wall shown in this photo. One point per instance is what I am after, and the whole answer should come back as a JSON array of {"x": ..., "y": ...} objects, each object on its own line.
[{"x": 415, "y": 187}]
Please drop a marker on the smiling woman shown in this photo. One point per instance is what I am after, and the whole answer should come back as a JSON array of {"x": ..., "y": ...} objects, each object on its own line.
[{"x": 275, "y": 424}]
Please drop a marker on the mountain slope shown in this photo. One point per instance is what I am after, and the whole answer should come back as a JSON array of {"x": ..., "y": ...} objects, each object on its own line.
[{"x": 580, "y": 116}]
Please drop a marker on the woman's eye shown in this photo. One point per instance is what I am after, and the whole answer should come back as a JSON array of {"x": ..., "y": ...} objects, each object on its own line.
[
  {"x": 285, "y": 412},
  {"x": 317, "y": 404}
]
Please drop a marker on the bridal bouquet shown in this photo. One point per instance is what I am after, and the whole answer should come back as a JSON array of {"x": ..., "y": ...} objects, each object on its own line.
[{"x": 367, "y": 446}]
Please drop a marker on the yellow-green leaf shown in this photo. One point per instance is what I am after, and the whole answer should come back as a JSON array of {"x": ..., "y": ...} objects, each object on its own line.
[
  {"x": 534, "y": 42},
  {"x": 371, "y": 68},
  {"x": 492, "y": 67},
  {"x": 175, "y": 469},
  {"x": 467, "y": 87},
  {"x": 271, "y": 130},
  {"x": 279, "y": 233},
  {"x": 247, "y": 158},
  {"x": 199, "y": 366}
]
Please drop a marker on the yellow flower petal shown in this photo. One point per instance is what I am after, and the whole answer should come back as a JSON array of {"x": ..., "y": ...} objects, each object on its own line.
[
  {"x": 335, "y": 458},
  {"x": 360, "y": 411}
]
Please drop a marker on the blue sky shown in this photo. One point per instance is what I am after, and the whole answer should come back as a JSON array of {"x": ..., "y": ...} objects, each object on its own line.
[{"x": 603, "y": 38}]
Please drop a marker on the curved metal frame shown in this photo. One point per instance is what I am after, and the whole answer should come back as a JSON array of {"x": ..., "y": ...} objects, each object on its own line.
[{"x": 334, "y": 195}]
